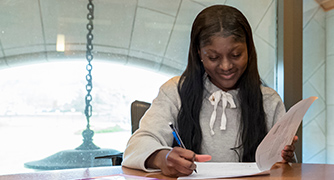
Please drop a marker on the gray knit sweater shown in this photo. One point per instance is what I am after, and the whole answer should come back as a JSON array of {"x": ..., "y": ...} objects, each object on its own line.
[{"x": 154, "y": 132}]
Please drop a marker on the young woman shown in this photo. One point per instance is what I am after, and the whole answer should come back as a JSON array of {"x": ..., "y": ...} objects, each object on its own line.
[{"x": 218, "y": 104}]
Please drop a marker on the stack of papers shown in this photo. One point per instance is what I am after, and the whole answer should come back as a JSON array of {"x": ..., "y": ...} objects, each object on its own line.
[{"x": 209, "y": 170}]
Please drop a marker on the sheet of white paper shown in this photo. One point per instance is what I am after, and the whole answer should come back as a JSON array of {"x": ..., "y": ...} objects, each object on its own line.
[
  {"x": 267, "y": 153},
  {"x": 209, "y": 170},
  {"x": 282, "y": 134}
]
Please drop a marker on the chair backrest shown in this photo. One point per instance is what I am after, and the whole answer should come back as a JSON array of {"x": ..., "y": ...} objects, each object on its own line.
[{"x": 138, "y": 109}]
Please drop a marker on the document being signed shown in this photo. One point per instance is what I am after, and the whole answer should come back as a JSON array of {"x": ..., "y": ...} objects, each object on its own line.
[{"x": 267, "y": 153}]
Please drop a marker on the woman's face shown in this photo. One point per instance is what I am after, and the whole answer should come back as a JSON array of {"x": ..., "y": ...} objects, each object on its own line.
[{"x": 224, "y": 60}]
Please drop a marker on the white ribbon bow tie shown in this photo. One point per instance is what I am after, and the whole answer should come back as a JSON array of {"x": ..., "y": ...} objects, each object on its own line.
[{"x": 214, "y": 99}]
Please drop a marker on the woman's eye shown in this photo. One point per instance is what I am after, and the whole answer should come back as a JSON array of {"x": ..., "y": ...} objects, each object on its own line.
[
  {"x": 213, "y": 58},
  {"x": 236, "y": 55}
]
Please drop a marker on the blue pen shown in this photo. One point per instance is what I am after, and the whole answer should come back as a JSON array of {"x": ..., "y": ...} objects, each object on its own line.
[{"x": 178, "y": 138}]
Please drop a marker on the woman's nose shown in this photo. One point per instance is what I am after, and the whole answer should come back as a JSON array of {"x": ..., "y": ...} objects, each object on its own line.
[{"x": 225, "y": 64}]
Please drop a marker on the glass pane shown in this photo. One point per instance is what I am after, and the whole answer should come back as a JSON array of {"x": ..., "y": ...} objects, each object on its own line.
[{"x": 42, "y": 108}]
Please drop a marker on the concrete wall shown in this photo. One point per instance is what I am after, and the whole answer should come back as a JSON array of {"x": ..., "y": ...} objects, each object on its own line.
[{"x": 318, "y": 70}]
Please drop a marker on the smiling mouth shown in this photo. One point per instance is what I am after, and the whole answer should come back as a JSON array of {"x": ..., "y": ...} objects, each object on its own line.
[{"x": 227, "y": 76}]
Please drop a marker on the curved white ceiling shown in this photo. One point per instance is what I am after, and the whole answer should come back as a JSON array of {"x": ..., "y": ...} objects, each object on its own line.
[{"x": 153, "y": 34}]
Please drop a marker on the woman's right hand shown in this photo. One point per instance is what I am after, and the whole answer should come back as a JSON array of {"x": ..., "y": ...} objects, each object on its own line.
[{"x": 175, "y": 162}]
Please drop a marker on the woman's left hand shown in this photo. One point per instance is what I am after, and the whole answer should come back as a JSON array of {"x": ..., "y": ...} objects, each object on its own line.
[{"x": 288, "y": 151}]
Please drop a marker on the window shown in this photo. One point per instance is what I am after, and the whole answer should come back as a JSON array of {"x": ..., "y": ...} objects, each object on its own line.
[
  {"x": 137, "y": 45},
  {"x": 42, "y": 108}
]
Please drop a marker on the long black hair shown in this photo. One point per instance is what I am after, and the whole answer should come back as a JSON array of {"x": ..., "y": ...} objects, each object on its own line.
[{"x": 221, "y": 20}]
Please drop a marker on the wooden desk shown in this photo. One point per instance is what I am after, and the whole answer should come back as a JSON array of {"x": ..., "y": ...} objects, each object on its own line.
[{"x": 278, "y": 171}]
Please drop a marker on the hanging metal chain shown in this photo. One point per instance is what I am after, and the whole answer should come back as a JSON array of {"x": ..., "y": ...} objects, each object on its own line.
[
  {"x": 88, "y": 133},
  {"x": 89, "y": 57}
]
